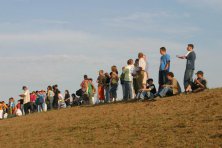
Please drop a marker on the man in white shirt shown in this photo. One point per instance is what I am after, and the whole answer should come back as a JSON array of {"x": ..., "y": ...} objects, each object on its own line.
[
  {"x": 26, "y": 99},
  {"x": 142, "y": 74}
]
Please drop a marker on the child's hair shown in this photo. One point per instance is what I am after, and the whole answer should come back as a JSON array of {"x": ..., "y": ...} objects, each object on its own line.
[
  {"x": 170, "y": 74},
  {"x": 191, "y": 45},
  {"x": 114, "y": 69},
  {"x": 101, "y": 71},
  {"x": 106, "y": 74},
  {"x": 163, "y": 49},
  {"x": 140, "y": 55},
  {"x": 150, "y": 80},
  {"x": 130, "y": 61}
]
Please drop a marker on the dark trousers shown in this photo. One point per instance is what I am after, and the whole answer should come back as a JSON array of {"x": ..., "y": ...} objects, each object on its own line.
[
  {"x": 162, "y": 78},
  {"x": 188, "y": 78},
  {"x": 27, "y": 106}
]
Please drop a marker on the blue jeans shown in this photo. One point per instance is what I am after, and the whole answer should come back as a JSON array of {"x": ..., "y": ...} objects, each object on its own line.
[
  {"x": 188, "y": 78},
  {"x": 145, "y": 95},
  {"x": 113, "y": 91},
  {"x": 128, "y": 90},
  {"x": 40, "y": 107},
  {"x": 165, "y": 91},
  {"x": 107, "y": 94}
]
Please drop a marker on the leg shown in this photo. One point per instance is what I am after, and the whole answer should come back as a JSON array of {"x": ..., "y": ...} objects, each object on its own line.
[{"x": 164, "y": 92}]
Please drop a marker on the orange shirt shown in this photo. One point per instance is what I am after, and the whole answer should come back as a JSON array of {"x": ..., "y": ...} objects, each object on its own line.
[{"x": 3, "y": 106}]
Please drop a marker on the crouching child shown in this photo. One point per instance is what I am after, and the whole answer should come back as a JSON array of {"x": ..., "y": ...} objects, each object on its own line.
[{"x": 148, "y": 92}]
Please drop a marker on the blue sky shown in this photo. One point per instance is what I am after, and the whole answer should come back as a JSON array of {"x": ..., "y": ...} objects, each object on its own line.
[{"x": 46, "y": 42}]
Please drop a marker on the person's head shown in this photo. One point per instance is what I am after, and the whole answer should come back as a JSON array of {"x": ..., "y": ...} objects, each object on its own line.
[
  {"x": 162, "y": 50},
  {"x": 59, "y": 92},
  {"x": 90, "y": 80},
  {"x": 107, "y": 75},
  {"x": 140, "y": 55},
  {"x": 73, "y": 96},
  {"x": 200, "y": 74},
  {"x": 49, "y": 88},
  {"x": 130, "y": 62},
  {"x": 101, "y": 72},
  {"x": 170, "y": 76},
  {"x": 136, "y": 62},
  {"x": 85, "y": 77},
  {"x": 114, "y": 69},
  {"x": 55, "y": 87},
  {"x": 24, "y": 88},
  {"x": 150, "y": 81},
  {"x": 190, "y": 47},
  {"x": 66, "y": 92}
]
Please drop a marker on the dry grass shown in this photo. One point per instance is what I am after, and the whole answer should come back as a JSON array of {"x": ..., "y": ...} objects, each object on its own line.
[{"x": 183, "y": 121}]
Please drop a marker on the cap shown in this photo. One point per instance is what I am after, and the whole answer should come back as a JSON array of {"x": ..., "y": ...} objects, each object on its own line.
[{"x": 200, "y": 72}]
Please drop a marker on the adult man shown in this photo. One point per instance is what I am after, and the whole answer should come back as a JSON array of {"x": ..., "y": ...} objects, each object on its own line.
[
  {"x": 128, "y": 80},
  {"x": 190, "y": 67},
  {"x": 164, "y": 67},
  {"x": 26, "y": 99},
  {"x": 142, "y": 74}
]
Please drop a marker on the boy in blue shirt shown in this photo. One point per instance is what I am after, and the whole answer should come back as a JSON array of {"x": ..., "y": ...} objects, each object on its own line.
[{"x": 164, "y": 67}]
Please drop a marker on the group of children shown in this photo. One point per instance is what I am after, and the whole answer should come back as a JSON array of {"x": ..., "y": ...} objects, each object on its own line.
[{"x": 134, "y": 80}]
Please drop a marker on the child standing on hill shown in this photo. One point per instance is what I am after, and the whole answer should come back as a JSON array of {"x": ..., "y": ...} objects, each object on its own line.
[
  {"x": 114, "y": 83},
  {"x": 107, "y": 87},
  {"x": 101, "y": 80},
  {"x": 11, "y": 106}
]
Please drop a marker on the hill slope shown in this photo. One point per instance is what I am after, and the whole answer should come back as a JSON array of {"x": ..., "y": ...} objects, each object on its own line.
[{"x": 183, "y": 121}]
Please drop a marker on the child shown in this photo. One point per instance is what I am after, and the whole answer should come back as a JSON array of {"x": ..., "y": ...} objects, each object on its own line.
[
  {"x": 200, "y": 83},
  {"x": 61, "y": 101},
  {"x": 164, "y": 67},
  {"x": 149, "y": 92},
  {"x": 114, "y": 83},
  {"x": 107, "y": 87},
  {"x": 171, "y": 88},
  {"x": 101, "y": 83},
  {"x": 190, "y": 67},
  {"x": 11, "y": 106},
  {"x": 91, "y": 92},
  {"x": 3, "y": 107}
]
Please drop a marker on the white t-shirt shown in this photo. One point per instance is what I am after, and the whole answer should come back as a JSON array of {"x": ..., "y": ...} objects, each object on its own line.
[
  {"x": 18, "y": 112},
  {"x": 128, "y": 73},
  {"x": 26, "y": 96},
  {"x": 142, "y": 63}
]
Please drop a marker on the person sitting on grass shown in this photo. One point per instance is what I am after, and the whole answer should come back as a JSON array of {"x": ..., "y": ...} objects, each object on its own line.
[
  {"x": 200, "y": 83},
  {"x": 171, "y": 88},
  {"x": 148, "y": 92}
]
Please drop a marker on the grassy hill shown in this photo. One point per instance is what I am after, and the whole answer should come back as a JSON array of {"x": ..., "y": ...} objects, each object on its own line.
[{"x": 182, "y": 121}]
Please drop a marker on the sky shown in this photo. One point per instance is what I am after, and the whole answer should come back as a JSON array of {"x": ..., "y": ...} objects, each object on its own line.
[{"x": 46, "y": 42}]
